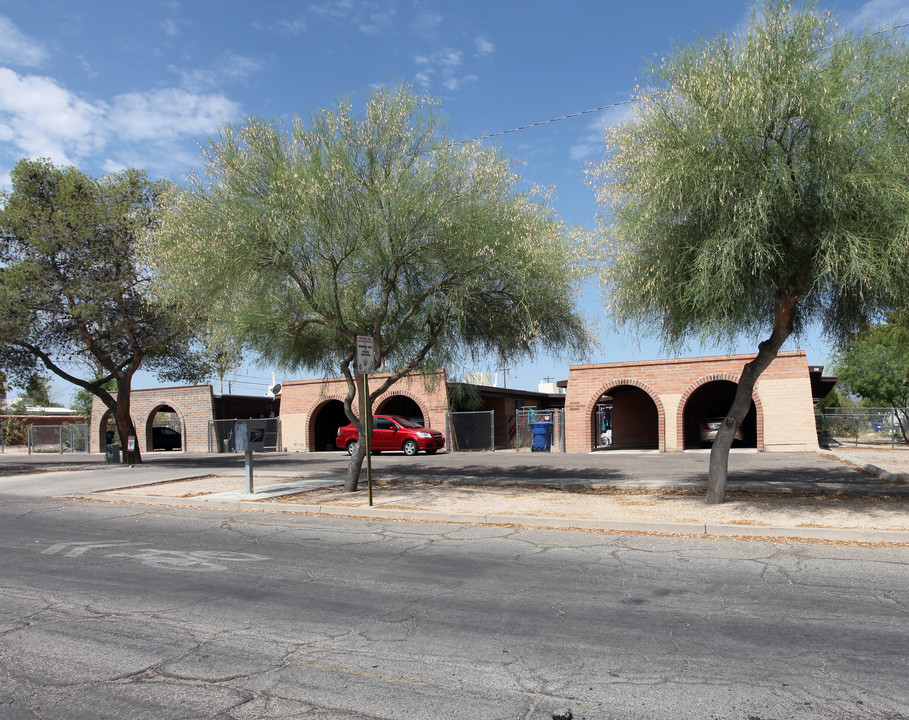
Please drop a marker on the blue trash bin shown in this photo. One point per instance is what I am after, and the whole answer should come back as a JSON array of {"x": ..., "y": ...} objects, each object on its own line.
[{"x": 542, "y": 436}]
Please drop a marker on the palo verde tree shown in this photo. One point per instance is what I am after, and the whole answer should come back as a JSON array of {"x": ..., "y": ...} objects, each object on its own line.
[
  {"x": 761, "y": 184},
  {"x": 73, "y": 295},
  {"x": 372, "y": 224}
]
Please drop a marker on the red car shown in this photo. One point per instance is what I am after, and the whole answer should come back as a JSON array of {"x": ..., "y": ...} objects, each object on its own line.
[{"x": 391, "y": 432}]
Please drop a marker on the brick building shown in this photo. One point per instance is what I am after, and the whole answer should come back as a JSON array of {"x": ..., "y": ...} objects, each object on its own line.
[
  {"x": 657, "y": 404},
  {"x": 313, "y": 410},
  {"x": 660, "y": 404},
  {"x": 188, "y": 409}
]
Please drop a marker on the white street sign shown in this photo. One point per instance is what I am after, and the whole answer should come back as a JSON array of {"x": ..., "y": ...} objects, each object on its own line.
[{"x": 366, "y": 357}]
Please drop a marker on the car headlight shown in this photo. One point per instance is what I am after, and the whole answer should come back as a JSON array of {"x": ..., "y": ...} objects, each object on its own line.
[{"x": 424, "y": 434}]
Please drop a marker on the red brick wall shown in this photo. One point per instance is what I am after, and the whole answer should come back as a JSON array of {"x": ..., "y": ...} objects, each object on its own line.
[
  {"x": 670, "y": 382},
  {"x": 301, "y": 401}
]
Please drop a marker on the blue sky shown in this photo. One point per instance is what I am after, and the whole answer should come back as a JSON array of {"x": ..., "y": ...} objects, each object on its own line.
[{"x": 105, "y": 85}]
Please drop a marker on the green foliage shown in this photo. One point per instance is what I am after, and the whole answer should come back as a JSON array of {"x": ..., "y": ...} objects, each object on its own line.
[
  {"x": 82, "y": 399},
  {"x": 830, "y": 400},
  {"x": 13, "y": 425},
  {"x": 761, "y": 175},
  {"x": 874, "y": 365},
  {"x": 73, "y": 292},
  {"x": 38, "y": 389},
  {"x": 303, "y": 238},
  {"x": 463, "y": 397}
]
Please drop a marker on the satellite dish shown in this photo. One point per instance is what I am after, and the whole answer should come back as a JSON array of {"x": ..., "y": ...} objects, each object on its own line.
[{"x": 274, "y": 390}]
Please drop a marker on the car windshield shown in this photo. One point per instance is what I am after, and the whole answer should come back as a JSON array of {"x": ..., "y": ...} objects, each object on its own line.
[{"x": 404, "y": 422}]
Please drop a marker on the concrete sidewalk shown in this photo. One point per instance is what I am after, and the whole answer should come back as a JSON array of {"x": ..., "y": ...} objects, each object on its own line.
[{"x": 826, "y": 498}]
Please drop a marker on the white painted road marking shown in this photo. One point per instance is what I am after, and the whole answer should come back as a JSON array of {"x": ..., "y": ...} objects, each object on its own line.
[{"x": 197, "y": 560}]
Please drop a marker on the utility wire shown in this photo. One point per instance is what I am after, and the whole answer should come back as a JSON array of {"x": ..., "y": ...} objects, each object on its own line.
[
  {"x": 551, "y": 120},
  {"x": 630, "y": 100}
]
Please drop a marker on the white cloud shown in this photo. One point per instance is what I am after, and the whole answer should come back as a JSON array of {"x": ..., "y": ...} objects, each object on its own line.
[
  {"x": 583, "y": 150},
  {"x": 378, "y": 22},
  {"x": 879, "y": 14},
  {"x": 169, "y": 114},
  {"x": 230, "y": 67},
  {"x": 18, "y": 49},
  {"x": 40, "y": 118},
  {"x": 592, "y": 141},
  {"x": 170, "y": 28},
  {"x": 293, "y": 27},
  {"x": 426, "y": 23},
  {"x": 46, "y": 120},
  {"x": 338, "y": 9},
  {"x": 443, "y": 66},
  {"x": 483, "y": 46}
]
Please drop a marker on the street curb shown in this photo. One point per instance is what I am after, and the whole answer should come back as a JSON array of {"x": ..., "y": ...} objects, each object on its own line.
[
  {"x": 899, "y": 537},
  {"x": 868, "y": 467}
]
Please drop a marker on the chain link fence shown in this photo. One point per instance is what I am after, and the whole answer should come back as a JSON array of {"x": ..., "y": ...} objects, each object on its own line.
[
  {"x": 471, "y": 431},
  {"x": 862, "y": 426},
  {"x": 221, "y": 438},
  {"x": 58, "y": 438},
  {"x": 540, "y": 430}
]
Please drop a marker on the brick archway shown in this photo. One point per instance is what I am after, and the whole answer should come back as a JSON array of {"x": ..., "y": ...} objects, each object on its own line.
[
  {"x": 714, "y": 377},
  {"x": 146, "y": 427},
  {"x": 313, "y": 415},
  {"x": 101, "y": 428},
  {"x": 611, "y": 385},
  {"x": 392, "y": 393}
]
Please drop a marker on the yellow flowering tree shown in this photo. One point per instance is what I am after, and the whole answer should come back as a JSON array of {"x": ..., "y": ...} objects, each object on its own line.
[
  {"x": 761, "y": 184},
  {"x": 299, "y": 239}
]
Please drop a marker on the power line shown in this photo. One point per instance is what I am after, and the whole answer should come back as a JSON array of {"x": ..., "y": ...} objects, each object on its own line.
[
  {"x": 630, "y": 100},
  {"x": 551, "y": 120}
]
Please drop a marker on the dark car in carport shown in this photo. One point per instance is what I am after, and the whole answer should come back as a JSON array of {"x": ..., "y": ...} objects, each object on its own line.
[{"x": 165, "y": 438}]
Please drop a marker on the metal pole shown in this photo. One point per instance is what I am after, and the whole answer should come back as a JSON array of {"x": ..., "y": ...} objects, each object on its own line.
[
  {"x": 367, "y": 432},
  {"x": 249, "y": 472}
]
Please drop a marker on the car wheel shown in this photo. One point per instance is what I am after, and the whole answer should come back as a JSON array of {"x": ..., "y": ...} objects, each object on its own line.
[
  {"x": 410, "y": 447},
  {"x": 431, "y": 452},
  {"x": 351, "y": 447}
]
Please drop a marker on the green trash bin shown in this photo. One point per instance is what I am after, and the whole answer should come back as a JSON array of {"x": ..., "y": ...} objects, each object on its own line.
[{"x": 112, "y": 453}]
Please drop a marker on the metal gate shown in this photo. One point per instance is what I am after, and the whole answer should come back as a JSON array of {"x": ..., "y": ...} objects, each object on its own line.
[
  {"x": 471, "y": 431},
  {"x": 58, "y": 438},
  {"x": 603, "y": 430},
  {"x": 540, "y": 430}
]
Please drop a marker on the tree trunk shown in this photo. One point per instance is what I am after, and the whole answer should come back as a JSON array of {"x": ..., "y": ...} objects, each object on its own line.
[
  {"x": 354, "y": 466},
  {"x": 718, "y": 472},
  {"x": 125, "y": 427}
]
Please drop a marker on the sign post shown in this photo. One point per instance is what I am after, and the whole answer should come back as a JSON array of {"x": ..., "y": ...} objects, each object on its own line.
[
  {"x": 249, "y": 435},
  {"x": 366, "y": 363}
]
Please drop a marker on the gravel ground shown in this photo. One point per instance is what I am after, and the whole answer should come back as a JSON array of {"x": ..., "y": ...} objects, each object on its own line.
[{"x": 836, "y": 511}]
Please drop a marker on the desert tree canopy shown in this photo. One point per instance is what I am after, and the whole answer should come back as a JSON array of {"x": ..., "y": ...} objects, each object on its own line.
[
  {"x": 761, "y": 184},
  {"x": 375, "y": 223},
  {"x": 74, "y": 295}
]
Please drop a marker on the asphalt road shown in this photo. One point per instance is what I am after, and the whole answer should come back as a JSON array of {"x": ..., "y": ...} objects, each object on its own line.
[{"x": 120, "y": 611}]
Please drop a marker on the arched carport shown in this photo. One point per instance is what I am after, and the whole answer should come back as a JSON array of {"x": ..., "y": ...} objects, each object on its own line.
[
  {"x": 325, "y": 420},
  {"x": 711, "y": 397},
  {"x": 403, "y": 405},
  {"x": 107, "y": 425},
  {"x": 164, "y": 428},
  {"x": 636, "y": 416}
]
